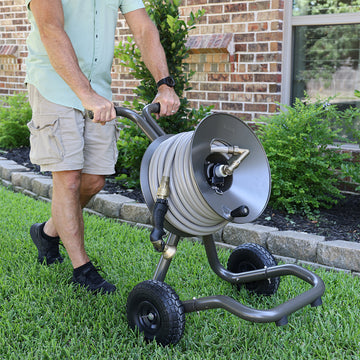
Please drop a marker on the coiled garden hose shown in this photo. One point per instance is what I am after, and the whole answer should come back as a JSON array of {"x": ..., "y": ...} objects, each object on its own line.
[{"x": 171, "y": 180}]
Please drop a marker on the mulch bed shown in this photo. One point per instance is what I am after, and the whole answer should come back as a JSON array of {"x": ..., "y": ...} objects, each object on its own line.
[{"x": 342, "y": 222}]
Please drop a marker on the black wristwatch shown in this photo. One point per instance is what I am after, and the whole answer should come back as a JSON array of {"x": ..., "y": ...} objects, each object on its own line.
[{"x": 169, "y": 81}]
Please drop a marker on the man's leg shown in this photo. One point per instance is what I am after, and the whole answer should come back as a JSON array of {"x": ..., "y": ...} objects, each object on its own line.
[
  {"x": 67, "y": 214},
  {"x": 68, "y": 221},
  {"x": 90, "y": 185},
  {"x": 60, "y": 144}
]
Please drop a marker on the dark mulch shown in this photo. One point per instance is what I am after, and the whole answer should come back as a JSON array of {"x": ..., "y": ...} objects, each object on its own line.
[{"x": 342, "y": 222}]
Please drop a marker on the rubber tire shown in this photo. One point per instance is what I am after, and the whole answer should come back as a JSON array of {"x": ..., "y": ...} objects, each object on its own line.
[
  {"x": 248, "y": 257},
  {"x": 159, "y": 300}
]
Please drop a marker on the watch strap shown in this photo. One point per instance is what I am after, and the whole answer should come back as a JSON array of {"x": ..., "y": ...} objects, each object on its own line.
[{"x": 169, "y": 81}]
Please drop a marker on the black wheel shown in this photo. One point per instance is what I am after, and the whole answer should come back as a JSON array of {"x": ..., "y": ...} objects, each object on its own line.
[
  {"x": 155, "y": 309},
  {"x": 249, "y": 257}
]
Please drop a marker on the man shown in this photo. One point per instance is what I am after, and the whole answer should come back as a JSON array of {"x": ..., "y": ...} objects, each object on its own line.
[{"x": 71, "y": 47}]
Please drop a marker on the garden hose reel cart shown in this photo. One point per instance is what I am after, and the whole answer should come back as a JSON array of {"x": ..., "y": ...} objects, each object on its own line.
[{"x": 194, "y": 183}]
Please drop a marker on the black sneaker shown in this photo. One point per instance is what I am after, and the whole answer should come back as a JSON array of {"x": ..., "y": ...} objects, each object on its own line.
[
  {"x": 48, "y": 250},
  {"x": 87, "y": 275}
]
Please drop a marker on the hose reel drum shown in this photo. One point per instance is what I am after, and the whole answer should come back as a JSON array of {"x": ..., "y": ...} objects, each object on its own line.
[{"x": 218, "y": 173}]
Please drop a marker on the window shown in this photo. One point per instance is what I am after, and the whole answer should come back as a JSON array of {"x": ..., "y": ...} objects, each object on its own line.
[
  {"x": 318, "y": 7},
  {"x": 322, "y": 50}
]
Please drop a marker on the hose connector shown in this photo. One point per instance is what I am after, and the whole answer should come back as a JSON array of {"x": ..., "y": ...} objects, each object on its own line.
[
  {"x": 159, "y": 212},
  {"x": 164, "y": 188}
]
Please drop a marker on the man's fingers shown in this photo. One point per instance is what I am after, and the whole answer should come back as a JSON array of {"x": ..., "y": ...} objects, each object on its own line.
[
  {"x": 168, "y": 109},
  {"x": 103, "y": 116}
]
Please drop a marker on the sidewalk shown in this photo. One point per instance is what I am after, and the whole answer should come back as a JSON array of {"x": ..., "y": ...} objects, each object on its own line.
[{"x": 287, "y": 246}]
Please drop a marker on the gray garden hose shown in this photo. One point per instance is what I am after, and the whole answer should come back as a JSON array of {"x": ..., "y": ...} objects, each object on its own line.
[{"x": 188, "y": 211}]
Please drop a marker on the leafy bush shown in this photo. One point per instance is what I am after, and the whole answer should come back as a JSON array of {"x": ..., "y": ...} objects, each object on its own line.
[
  {"x": 352, "y": 170},
  {"x": 15, "y": 113},
  {"x": 302, "y": 164},
  {"x": 173, "y": 34}
]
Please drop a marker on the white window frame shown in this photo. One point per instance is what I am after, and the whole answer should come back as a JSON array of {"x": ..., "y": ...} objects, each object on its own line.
[{"x": 290, "y": 22}]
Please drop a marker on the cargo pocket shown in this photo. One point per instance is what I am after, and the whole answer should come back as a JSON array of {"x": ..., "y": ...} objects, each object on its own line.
[{"x": 45, "y": 140}]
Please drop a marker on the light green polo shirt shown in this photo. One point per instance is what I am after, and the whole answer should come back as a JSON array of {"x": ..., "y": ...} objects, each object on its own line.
[{"x": 90, "y": 25}]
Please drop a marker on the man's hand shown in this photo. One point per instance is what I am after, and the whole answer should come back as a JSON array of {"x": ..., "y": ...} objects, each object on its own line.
[
  {"x": 169, "y": 101},
  {"x": 102, "y": 108}
]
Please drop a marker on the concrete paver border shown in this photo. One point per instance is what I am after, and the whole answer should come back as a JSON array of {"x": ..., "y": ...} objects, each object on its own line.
[{"x": 288, "y": 246}]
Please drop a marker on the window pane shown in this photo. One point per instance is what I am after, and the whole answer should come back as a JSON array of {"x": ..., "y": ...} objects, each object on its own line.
[
  {"x": 326, "y": 62},
  {"x": 318, "y": 7}
]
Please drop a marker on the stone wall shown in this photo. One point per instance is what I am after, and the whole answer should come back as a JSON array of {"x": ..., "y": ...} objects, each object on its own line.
[{"x": 236, "y": 51}]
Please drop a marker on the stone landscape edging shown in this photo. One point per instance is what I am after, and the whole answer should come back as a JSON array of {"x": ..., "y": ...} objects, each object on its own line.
[{"x": 288, "y": 246}]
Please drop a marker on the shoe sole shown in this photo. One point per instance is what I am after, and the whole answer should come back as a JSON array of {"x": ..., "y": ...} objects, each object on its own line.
[{"x": 98, "y": 290}]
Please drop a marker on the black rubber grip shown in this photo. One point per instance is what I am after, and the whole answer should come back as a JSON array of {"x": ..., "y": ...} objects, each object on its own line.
[{"x": 159, "y": 212}]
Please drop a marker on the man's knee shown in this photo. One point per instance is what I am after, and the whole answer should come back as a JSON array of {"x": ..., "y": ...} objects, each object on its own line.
[
  {"x": 67, "y": 180},
  {"x": 91, "y": 184}
]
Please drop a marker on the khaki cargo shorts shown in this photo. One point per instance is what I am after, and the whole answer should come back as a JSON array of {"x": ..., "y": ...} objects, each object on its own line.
[{"x": 62, "y": 138}]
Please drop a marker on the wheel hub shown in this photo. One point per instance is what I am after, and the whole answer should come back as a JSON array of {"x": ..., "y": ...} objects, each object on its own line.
[{"x": 148, "y": 316}]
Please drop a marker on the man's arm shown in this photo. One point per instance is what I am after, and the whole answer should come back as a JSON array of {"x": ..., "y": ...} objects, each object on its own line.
[
  {"x": 147, "y": 39},
  {"x": 49, "y": 17}
]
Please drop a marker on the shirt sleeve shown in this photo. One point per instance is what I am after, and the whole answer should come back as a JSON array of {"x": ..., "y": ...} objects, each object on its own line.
[
  {"x": 27, "y": 2},
  {"x": 129, "y": 5}
]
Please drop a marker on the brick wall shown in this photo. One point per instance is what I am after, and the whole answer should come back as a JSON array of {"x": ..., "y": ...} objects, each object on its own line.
[
  {"x": 245, "y": 81},
  {"x": 236, "y": 51},
  {"x": 13, "y": 31}
]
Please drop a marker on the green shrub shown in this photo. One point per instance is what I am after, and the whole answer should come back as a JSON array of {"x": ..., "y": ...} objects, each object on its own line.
[
  {"x": 302, "y": 164},
  {"x": 349, "y": 169},
  {"x": 173, "y": 34},
  {"x": 15, "y": 113}
]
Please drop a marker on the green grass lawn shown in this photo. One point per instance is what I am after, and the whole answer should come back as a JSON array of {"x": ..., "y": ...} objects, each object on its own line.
[{"x": 43, "y": 316}]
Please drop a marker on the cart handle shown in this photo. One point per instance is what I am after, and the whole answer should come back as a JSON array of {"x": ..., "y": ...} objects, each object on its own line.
[{"x": 145, "y": 121}]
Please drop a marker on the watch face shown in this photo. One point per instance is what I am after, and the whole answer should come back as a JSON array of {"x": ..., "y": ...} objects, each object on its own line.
[{"x": 170, "y": 81}]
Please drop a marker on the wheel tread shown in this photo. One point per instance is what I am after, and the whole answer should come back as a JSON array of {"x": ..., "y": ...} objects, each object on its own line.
[
  {"x": 166, "y": 299},
  {"x": 262, "y": 257}
]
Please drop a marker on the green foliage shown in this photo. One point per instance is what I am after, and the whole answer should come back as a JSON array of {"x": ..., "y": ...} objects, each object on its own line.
[
  {"x": 302, "y": 164},
  {"x": 173, "y": 34},
  {"x": 349, "y": 169},
  {"x": 15, "y": 113}
]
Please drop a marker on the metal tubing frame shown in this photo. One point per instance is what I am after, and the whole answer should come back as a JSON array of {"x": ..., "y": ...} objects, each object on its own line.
[
  {"x": 277, "y": 314},
  {"x": 163, "y": 265},
  {"x": 145, "y": 122}
]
